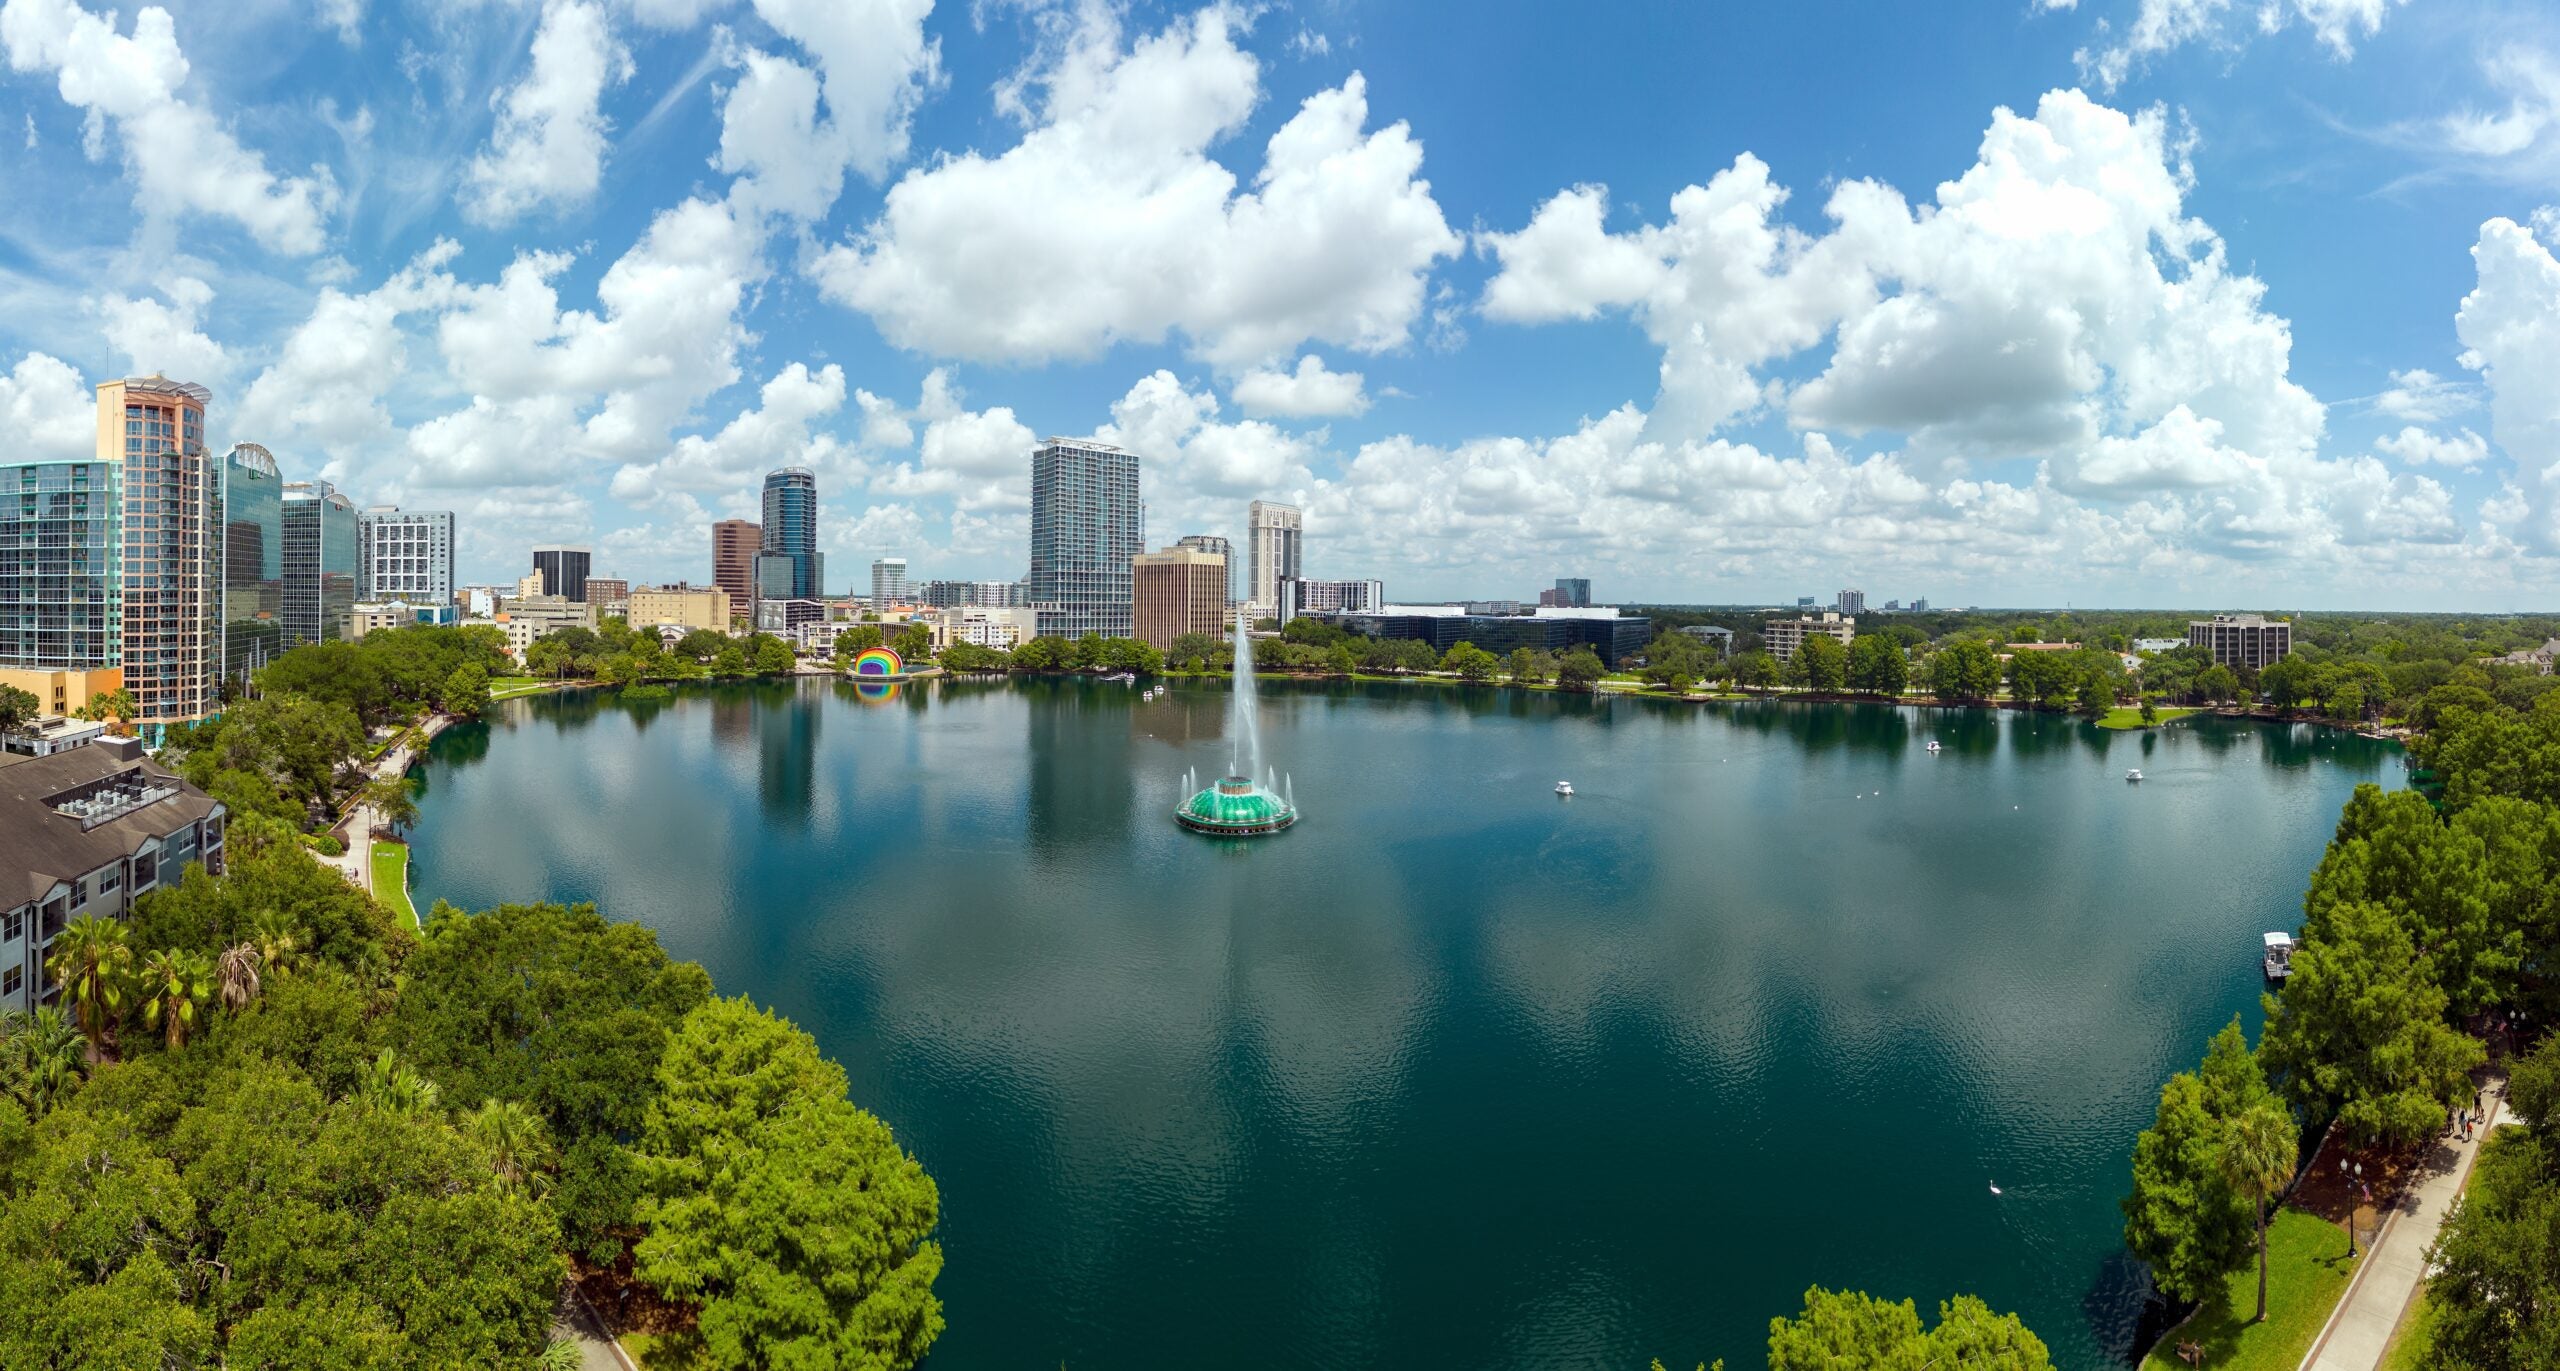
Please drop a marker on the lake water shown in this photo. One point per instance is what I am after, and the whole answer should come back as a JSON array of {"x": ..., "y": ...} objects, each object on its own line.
[{"x": 1456, "y": 1073}]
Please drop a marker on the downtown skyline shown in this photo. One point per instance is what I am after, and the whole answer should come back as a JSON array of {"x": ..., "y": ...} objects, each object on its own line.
[{"x": 2160, "y": 302}]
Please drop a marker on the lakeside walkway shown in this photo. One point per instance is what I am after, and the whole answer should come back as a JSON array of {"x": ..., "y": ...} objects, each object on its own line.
[
  {"x": 2359, "y": 1329},
  {"x": 355, "y": 827}
]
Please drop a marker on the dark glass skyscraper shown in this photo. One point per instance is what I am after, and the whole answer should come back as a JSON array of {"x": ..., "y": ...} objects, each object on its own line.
[
  {"x": 564, "y": 571},
  {"x": 791, "y": 530},
  {"x": 1086, "y": 523},
  {"x": 320, "y": 549},
  {"x": 252, "y": 561}
]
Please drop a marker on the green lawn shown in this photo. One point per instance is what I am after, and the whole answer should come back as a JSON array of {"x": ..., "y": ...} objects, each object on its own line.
[
  {"x": 2307, "y": 1269},
  {"x": 391, "y": 878},
  {"x": 508, "y": 687},
  {"x": 2413, "y": 1346},
  {"x": 2121, "y": 717}
]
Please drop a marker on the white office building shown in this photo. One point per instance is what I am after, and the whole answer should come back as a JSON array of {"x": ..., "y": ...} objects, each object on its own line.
[
  {"x": 889, "y": 582},
  {"x": 405, "y": 554}
]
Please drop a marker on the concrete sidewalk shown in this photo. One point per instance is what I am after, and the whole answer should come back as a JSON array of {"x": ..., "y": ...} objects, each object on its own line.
[{"x": 2360, "y": 1327}]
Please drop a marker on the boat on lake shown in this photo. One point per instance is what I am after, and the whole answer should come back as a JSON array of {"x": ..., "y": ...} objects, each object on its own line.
[
  {"x": 2279, "y": 956},
  {"x": 2134, "y": 775},
  {"x": 1933, "y": 744},
  {"x": 1564, "y": 788}
]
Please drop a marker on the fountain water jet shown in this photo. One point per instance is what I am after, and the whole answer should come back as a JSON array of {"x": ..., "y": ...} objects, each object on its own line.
[{"x": 1239, "y": 805}]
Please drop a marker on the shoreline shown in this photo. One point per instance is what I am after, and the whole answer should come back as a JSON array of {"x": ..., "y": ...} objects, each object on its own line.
[{"x": 1604, "y": 692}]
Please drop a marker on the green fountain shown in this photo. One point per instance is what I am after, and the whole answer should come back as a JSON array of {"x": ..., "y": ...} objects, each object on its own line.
[{"x": 1240, "y": 804}]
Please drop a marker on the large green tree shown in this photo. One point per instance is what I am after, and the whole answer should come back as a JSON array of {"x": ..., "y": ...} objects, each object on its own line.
[
  {"x": 1580, "y": 670},
  {"x": 562, "y": 1010},
  {"x": 1848, "y": 1330},
  {"x": 787, "y": 1216},
  {"x": 2359, "y": 1034},
  {"x": 2184, "y": 1217},
  {"x": 1964, "y": 670},
  {"x": 2495, "y": 1288},
  {"x": 1878, "y": 665},
  {"x": 1470, "y": 663},
  {"x": 1820, "y": 663}
]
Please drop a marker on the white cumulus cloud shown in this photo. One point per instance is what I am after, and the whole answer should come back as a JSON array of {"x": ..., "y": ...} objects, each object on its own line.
[
  {"x": 1109, "y": 221},
  {"x": 2418, "y": 447},
  {"x": 181, "y": 160},
  {"x": 46, "y": 411},
  {"x": 1312, "y": 391},
  {"x": 548, "y": 146},
  {"x": 2510, "y": 326}
]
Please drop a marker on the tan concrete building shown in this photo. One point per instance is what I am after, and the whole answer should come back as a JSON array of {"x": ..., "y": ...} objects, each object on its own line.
[
  {"x": 64, "y": 691},
  {"x": 686, "y": 608},
  {"x": 171, "y": 489},
  {"x": 1783, "y": 636},
  {"x": 2239, "y": 641},
  {"x": 1002, "y": 627},
  {"x": 1179, "y": 590},
  {"x": 538, "y": 615}
]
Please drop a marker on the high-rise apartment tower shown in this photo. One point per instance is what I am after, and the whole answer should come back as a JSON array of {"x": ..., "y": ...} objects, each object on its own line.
[
  {"x": 171, "y": 492},
  {"x": 1271, "y": 533},
  {"x": 405, "y": 555},
  {"x": 1086, "y": 523}
]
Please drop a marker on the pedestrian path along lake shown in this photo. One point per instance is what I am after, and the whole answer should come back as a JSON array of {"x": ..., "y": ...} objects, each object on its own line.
[{"x": 1457, "y": 1072}]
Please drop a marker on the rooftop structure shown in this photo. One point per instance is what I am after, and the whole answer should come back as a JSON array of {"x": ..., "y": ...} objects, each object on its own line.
[{"x": 86, "y": 831}]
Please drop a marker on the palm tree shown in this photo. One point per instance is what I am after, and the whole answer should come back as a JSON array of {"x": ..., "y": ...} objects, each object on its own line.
[
  {"x": 235, "y": 975},
  {"x": 394, "y": 1088},
  {"x": 108, "y": 706},
  {"x": 2258, "y": 1153},
  {"x": 174, "y": 985},
  {"x": 278, "y": 942},
  {"x": 91, "y": 959},
  {"x": 518, "y": 1144},
  {"x": 41, "y": 1055}
]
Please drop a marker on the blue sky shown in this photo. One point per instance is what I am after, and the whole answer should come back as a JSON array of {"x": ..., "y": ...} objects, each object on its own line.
[{"x": 2136, "y": 302}]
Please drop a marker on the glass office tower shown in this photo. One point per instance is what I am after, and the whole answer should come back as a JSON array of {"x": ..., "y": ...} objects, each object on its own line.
[
  {"x": 320, "y": 550},
  {"x": 791, "y": 530},
  {"x": 252, "y": 562}
]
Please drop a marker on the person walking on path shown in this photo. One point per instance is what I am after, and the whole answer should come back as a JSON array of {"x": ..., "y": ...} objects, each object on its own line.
[{"x": 2360, "y": 1328}]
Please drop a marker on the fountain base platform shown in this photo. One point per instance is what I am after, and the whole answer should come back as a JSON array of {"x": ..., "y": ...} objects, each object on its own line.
[{"x": 1236, "y": 807}]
